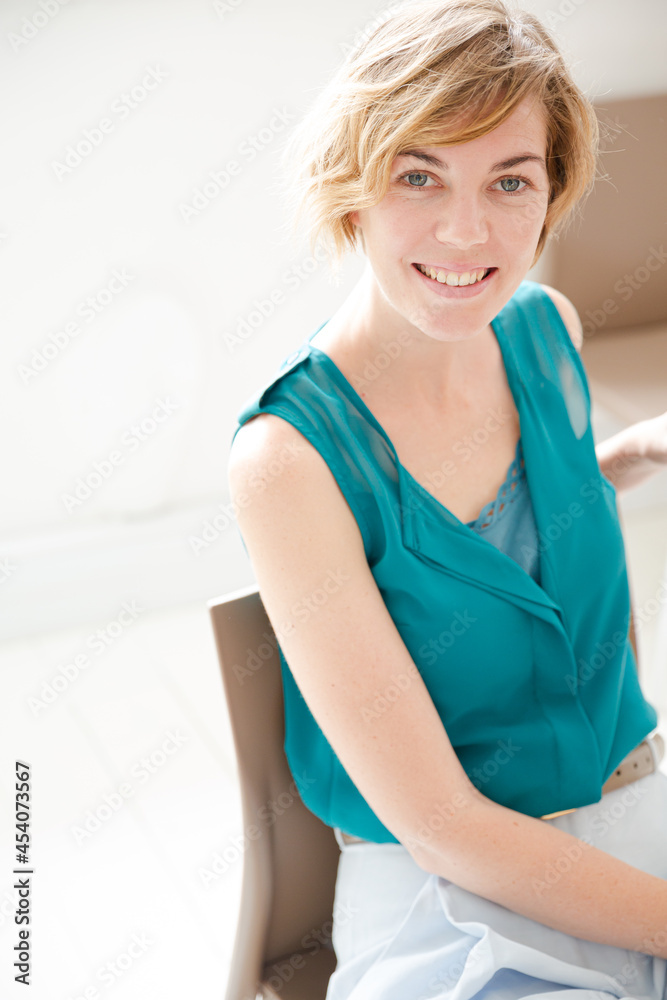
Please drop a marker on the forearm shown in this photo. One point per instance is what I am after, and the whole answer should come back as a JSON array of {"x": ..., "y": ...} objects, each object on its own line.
[
  {"x": 623, "y": 459},
  {"x": 550, "y": 876}
]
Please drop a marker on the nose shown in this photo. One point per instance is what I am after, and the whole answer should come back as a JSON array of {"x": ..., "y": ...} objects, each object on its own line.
[{"x": 462, "y": 221}]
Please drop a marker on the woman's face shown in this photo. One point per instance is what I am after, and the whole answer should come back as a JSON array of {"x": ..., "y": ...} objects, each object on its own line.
[{"x": 478, "y": 208}]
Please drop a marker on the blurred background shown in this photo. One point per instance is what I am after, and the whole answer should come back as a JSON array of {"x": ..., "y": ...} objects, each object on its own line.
[{"x": 148, "y": 289}]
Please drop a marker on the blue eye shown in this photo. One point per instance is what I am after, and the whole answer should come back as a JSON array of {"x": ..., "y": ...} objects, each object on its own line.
[
  {"x": 415, "y": 173},
  {"x": 510, "y": 185},
  {"x": 515, "y": 181}
]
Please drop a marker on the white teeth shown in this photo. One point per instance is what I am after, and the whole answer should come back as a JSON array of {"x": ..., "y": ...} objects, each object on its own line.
[{"x": 451, "y": 278}]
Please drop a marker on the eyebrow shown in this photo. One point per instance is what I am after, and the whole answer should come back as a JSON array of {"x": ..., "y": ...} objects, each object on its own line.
[{"x": 513, "y": 161}]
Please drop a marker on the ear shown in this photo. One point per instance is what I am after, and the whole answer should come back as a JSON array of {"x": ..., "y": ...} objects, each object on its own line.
[{"x": 354, "y": 218}]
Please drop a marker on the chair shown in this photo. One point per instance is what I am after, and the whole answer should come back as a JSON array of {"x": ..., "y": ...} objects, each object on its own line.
[{"x": 283, "y": 943}]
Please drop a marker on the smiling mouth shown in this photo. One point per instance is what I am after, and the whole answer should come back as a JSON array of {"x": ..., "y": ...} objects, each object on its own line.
[{"x": 452, "y": 278}]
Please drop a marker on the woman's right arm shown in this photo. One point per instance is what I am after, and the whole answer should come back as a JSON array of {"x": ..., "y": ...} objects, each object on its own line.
[{"x": 298, "y": 530}]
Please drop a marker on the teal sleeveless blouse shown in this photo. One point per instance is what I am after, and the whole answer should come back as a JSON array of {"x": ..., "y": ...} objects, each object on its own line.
[{"x": 535, "y": 682}]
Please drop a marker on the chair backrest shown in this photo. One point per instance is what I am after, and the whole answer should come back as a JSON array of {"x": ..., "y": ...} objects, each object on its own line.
[
  {"x": 611, "y": 260},
  {"x": 290, "y": 860}
]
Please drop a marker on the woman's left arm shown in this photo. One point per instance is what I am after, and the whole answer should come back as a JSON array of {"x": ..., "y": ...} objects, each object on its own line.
[{"x": 634, "y": 454}]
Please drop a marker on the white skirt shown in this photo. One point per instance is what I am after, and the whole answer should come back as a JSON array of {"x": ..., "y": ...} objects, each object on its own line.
[{"x": 400, "y": 933}]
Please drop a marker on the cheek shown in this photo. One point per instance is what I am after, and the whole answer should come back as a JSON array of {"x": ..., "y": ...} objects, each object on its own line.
[
  {"x": 394, "y": 232},
  {"x": 523, "y": 226},
  {"x": 401, "y": 216}
]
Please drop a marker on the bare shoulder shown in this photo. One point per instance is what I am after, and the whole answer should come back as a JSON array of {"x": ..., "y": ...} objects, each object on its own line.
[
  {"x": 568, "y": 314},
  {"x": 274, "y": 469},
  {"x": 262, "y": 438},
  {"x": 267, "y": 438}
]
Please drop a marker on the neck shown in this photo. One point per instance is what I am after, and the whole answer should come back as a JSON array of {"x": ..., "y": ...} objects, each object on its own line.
[{"x": 406, "y": 362}]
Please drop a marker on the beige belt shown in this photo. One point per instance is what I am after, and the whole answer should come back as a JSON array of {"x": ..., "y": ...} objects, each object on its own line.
[{"x": 643, "y": 760}]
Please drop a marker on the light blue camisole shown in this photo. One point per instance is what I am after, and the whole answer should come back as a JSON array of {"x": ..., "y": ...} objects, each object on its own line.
[{"x": 508, "y": 522}]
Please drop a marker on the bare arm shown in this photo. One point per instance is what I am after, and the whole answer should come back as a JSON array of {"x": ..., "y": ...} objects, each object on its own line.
[
  {"x": 552, "y": 877},
  {"x": 635, "y": 454},
  {"x": 297, "y": 527}
]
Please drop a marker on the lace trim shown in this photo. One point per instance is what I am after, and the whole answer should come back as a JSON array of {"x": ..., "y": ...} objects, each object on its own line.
[{"x": 507, "y": 492}]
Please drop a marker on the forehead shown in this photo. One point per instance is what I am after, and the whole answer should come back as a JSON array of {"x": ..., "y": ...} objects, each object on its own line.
[
  {"x": 528, "y": 119},
  {"x": 526, "y": 125}
]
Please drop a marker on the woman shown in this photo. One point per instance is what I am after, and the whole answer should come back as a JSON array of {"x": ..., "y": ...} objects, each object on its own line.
[{"x": 438, "y": 546}]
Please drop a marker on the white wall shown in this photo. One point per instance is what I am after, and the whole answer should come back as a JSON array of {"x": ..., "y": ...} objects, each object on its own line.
[{"x": 219, "y": 74}]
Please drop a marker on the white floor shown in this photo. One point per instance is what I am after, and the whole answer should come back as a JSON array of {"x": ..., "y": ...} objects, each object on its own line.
[
  {"x": 135, "y": 799},
  {"x": 134, "y": 794}
]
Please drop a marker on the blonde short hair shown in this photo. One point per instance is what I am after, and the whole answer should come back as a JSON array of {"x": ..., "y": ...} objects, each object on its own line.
[{"x": 406, "y": 83}]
